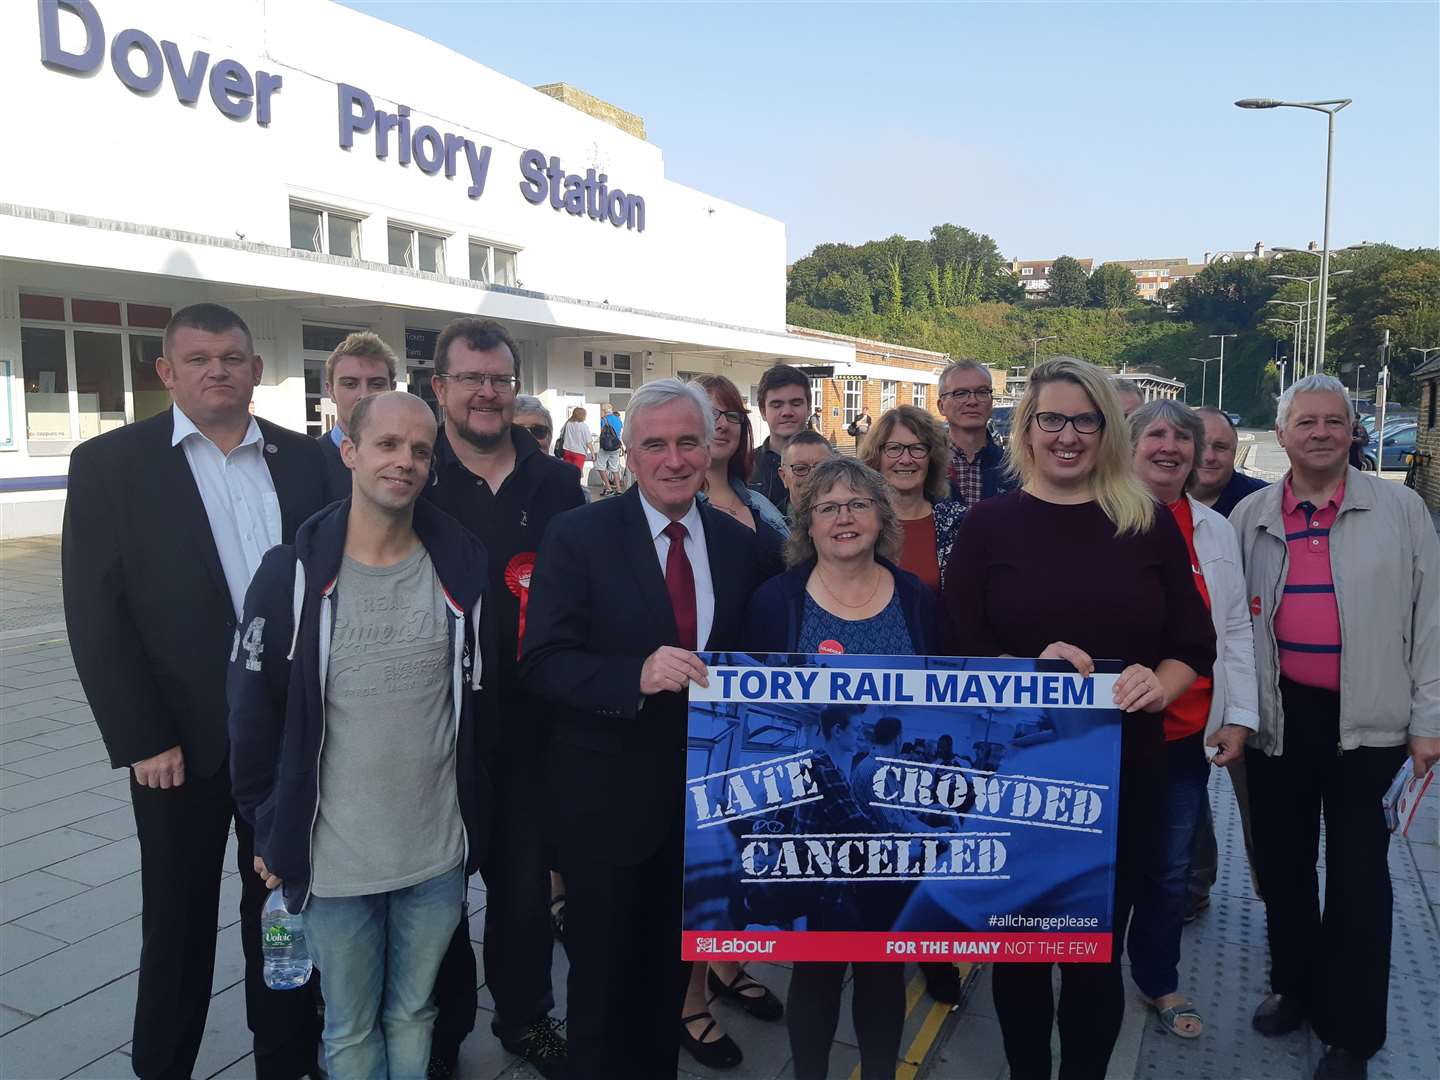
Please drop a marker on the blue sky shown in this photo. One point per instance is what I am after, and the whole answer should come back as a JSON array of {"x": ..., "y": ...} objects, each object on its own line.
[{"x": 1102, "y": 130}]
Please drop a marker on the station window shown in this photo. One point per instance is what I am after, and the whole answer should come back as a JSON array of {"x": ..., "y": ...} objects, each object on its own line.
[
  {"x": 919, "y": 396},
  {"x": 854, "y": 391},
  {"x": 313, "y": 228},
  {"x": 817, "y": 393},
  {"x": 887, "y": 394},
  {"x": 492, "y": 264},
  {"x": 87, "y": 366},
  {"x": 417, "y": 249}
]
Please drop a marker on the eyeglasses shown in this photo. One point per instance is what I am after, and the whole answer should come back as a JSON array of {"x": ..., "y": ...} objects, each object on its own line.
[
  {"x": 982, "y": 394},
  {"x": 736, "y": 418},
  {"x": 1085, "y": 423},
  {"x": 827, "y": 510},
  {"x": 916, "y": 451},
  {"x": 799, "y": 471},
  {"x": 540, "y": 431},
  {"x": 473, "y": 380}
]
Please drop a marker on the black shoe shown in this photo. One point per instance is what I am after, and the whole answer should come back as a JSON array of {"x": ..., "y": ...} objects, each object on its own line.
[
  {"x": 543, "y": 1048},
  {"x": 1196, "y": 905},
  {"x": 1340, "y": 1064},
  {"x": 762, "y": 1006},
  {"x": 723, "y": 1053},
  {"x": 942, "y": 982},
  {"x": 1278, "y": 1014},
  {"x": 442, "y": 1068}
]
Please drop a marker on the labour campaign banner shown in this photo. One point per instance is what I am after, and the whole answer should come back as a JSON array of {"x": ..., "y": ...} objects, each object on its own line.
[{"x": 842, "y": 807}]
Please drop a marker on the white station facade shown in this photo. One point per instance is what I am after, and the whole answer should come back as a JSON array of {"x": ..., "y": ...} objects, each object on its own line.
[{"x": 321, "y": 171}]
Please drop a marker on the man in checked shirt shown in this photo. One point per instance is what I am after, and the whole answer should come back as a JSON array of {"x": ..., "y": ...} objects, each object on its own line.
[{"x": 977, "y": 464}]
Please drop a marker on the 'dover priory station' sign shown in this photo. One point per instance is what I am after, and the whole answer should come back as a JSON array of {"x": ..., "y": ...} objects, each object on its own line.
[{"x": 144, "y": 64}]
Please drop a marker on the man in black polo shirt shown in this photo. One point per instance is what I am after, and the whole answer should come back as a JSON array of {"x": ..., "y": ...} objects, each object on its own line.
[{"x": 492, "y": 477}]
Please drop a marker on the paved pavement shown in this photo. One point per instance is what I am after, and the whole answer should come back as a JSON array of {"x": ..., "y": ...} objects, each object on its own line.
[{"x": 70, "y": 936}]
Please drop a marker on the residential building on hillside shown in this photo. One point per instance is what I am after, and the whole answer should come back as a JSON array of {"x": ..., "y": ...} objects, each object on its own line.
[
  {"x": 1154, "y": 276},
  {"x": 1152, "y": 387},
  {"x": 1034, "y": 274}
]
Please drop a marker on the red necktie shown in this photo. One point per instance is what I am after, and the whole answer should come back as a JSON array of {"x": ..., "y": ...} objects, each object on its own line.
[{"x": 680, "y": 584}]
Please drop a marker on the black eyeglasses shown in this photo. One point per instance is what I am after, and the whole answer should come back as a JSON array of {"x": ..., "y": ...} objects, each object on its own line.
[
  {"x": 982, "y": 394},
  {"x": 473, "y": 380},
  {"x": 1086, "y": 423},
  {"x": 736, "y": 418},
  {"x": 894, "y": 450},
  {"x": 827, "y": 510},
  {"x": 799, "y": 471},
  {"x": 540, "y": 431}
]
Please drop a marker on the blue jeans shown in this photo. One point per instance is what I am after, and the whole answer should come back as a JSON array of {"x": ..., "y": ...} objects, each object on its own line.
[
  {"x": 378, "y": 956},
  {"x": 1159, "y": 916}
]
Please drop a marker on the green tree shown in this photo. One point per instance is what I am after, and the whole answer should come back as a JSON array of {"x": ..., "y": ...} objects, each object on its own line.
[
  {"x": 1112, "y": 286},
  {"x": 855, "y": 298},
  {"x": 1069, "y": 284}
]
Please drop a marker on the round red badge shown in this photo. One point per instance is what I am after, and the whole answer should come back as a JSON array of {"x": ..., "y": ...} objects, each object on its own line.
[
  {"x": 830, "y": 645},
  {"x": 517, "y": 580},
  {"x": 1255, "y": 606}
]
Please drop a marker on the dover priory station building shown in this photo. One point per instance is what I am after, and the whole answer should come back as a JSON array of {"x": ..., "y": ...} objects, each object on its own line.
[{"x": 254, "y": 154}]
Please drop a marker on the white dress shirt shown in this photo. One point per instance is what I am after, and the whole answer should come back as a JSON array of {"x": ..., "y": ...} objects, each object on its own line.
[
  {"x": 239, "y": 497},
  {"x": 699, "y": 561}
]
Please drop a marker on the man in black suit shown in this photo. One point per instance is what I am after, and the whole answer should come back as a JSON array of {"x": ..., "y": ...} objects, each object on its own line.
[
  {"x": 624, "y": 592},
  {"x": 361, "y": 365},
  {"x": 165, "y": 522}
]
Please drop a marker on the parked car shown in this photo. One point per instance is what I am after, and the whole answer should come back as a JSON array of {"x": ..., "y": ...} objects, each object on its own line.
[
  {"x": 1399, "y": 444},
  {"x": 1394, "y": 419},
  {"x": 1234, "y": 418},
  {"x": 1000, "y": 421}
]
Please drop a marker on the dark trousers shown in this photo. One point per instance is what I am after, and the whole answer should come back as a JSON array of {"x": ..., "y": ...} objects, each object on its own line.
[
  {"x": 812, "y": 1010},
  {"x": 1159, "y": 916},
  {"x": 1205, "y": 857},
  {"x": 1092, "y": 996},
  {"x": 1338, "y": 964},
  {"x": 627, "y": 984},
  {"x": 182, "y": 833},
  {"x": 519, "y": 942},
  {"x": 456, "y": 994}
]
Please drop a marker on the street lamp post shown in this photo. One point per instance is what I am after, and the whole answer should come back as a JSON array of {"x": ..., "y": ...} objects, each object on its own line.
[
  {"x": 1294, "y": 325},
  {"x": 1204, "y": 371},
  {"x": 1309, "y": 283},
  {"x": 1425, "y": 353},
  {"x": 1358, "y": 368},
  {"x": 1220, "y": 392},
  {"x": 1035, "y": 347},
  {"x": 1329, "y": 108}
]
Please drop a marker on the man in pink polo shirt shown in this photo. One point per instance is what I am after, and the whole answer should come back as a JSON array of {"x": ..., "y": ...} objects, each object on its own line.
[{"x": 1343, "y": 572}]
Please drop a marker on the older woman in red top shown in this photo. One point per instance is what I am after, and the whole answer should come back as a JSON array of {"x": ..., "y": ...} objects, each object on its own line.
[
  {"x": 1219, "y": 712},
  {"x": 1081, "y": 563}
]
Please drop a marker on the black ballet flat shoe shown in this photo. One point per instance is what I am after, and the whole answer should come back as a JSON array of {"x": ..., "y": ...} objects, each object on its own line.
[
  {"x": 1278, "y": 1014},
  {"x": 723, "y": 1053},
  {"x": 763, "y": 1006}
]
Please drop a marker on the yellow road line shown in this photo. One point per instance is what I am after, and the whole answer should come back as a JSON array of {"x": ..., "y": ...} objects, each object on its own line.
[{"x": 924, "y": 1039}]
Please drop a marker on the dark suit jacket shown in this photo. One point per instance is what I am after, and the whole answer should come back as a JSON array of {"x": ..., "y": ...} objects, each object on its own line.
[
  {"x": 337, "y": 476},
  {"x": 150, "y": 618},
  {"x": 598, "y": 607}
]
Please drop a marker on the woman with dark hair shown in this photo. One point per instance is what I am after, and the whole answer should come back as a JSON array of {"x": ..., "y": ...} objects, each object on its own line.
[
  {"x": 908, "y": 448},
  {"x": 1081, "y": 563},
  {"x": 732, "y": 457},
  {"x": 843, "y": 593}
]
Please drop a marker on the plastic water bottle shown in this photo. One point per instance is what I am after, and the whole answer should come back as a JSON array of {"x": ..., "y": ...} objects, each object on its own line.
[{"x": 282, "y": 935}]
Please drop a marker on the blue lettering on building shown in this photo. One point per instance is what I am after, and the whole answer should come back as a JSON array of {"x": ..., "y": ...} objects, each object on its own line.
[{"x": 141, "y": 64}]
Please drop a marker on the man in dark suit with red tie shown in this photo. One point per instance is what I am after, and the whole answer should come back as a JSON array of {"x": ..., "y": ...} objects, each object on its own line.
[
  {"x": 623, "y": 594},
  {"x": 165, "y": 522}
]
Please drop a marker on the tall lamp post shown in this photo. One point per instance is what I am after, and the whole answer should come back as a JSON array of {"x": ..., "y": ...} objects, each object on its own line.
[
  {"x": 1309, "y": 283},
  {"x": 1425, "y": 353},
  {"x": 1294, "y": 325},
  {"x": 1035, "y": 347},
  {"x": 1204, "y": 371},
  {"x": 1358, "y": 368},
  {"x": 1329, "y": 108},
  {"x": 1220, "y": 393}
]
